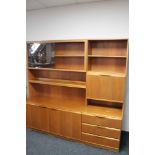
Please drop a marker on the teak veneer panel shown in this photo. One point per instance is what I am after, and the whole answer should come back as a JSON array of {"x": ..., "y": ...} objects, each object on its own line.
[
  {"x": 38, "y": 117},
  {"x": 71, "y": 125},
  {"x": 106, "y": 87}
]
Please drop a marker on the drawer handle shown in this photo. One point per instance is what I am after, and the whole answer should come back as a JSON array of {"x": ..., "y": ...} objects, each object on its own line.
[
  {"x": 99, "y": 127},
  {"x": 100, "y": 117},
  {"x": 55, "y": 109},
  {"x": 105, "y": 75}
]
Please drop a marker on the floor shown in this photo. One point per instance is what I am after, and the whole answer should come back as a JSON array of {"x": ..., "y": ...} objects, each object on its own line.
[{"x": 44, "y": 144}]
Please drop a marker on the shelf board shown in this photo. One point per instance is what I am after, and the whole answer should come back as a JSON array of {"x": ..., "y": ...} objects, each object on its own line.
[
  {"x": 105, "y": 100},
  {"x": 77, "y": 106},
  {"x": 54, "y": 69},
  {"x": 106, "y": 56},
  {"x": 55, "y": 82},
  {"x": 67, "y": 56},
  {"x": 109, "y": 73}
]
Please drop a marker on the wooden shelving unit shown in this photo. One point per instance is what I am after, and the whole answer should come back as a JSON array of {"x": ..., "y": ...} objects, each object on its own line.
[{"x": 81, "y": 96}]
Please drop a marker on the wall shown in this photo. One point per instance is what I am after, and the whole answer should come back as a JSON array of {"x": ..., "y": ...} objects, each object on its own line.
[{"x": 106, "y": 19}]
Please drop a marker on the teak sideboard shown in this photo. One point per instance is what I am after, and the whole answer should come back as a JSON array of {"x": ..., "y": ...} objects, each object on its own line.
[{"x": 81, "y": 97}]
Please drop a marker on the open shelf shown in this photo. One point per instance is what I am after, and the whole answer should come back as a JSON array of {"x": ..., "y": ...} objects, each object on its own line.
[
  {"x": 78, "y": 106},
  {"x": 106, "y": 56},
  {"x": 76, "y": 63},
  {"x": 65, "y": 56},
  {"x": 56, "y": 69},
  {"x": 67, "y": 49},
  {"x": 55, "y": 82},
  {"x": 108, "y": 48},
  {"x": 105, "y": 64},
  {"x": 110, "y": 73}
]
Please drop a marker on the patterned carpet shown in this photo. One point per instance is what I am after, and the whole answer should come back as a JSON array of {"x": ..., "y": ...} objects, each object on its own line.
[{"x": 44, "y": 144}]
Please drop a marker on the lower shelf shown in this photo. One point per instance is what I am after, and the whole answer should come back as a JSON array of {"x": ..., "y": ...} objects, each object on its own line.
[
  {"x": 78, "y": 106},
  {"x": 55, "y": 82}
]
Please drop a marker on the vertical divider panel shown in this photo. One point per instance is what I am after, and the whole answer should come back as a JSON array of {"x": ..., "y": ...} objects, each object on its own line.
[
  {"x": 86, "y": 55},
  {"x": 86, "y": 62}
]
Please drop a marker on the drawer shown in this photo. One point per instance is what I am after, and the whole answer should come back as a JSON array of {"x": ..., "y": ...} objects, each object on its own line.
[
  {"x": 101, "y": 131},
  {"x": 104, "y": 87},
  {"x": 102, "y": 121},
  {"x": 109, "y": 142}
]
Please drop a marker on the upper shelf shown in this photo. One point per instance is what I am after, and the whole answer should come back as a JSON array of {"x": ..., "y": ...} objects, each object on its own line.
[
  {"x": 55, "y": 82},
  {"x": 106, "y": 56},
  {"x": 109, "y": 73},
  {"x": 80, "y": 55},
  {"x": 54, "y": 69}
]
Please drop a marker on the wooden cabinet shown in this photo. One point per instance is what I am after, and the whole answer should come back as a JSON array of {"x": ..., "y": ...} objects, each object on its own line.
[
  {"x": 81, "y": 95},
  {"x": 66, "y": 124},
  {"x": 38, "y": 117},
  {"x": 105, "y": 87}
]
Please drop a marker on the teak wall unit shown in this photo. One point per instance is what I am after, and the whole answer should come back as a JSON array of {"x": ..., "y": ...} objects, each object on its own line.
[{"x": 82, "y": 96}]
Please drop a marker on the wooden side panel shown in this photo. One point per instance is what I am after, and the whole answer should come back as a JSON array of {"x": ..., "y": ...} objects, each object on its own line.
[
  {"x": 28, "y": 119},
  {"x": 102, "y": 121},
  {"x": 100, "y": 140},
  {"x": 105, "y": 87},
  {"x": 38, "y": 118},
  {"x": 55, "y": 121}
]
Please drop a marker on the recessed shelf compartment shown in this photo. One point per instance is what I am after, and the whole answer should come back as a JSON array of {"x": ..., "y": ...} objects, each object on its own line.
[
  {"x": 59, "y": 75},
  {"x": 65, "y": 56},
  {"x": 55, "y": 82},
  {"x": 76, "y": 63},
  {"x": 108, "y": 48},
  {"x": 106, "y": 56},
  {"x": 107, "y": 64},
  {"x": 104, "y": 103},
  {"x": 69, "y": 48}
]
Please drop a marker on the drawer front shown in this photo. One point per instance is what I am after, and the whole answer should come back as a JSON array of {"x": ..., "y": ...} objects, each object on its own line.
[
  {"x": 100, "y": 140},
  {"x": 106, "y": 87},
  {"x": 101, "y": 131},
  {"x": 102, "y": 121}
]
